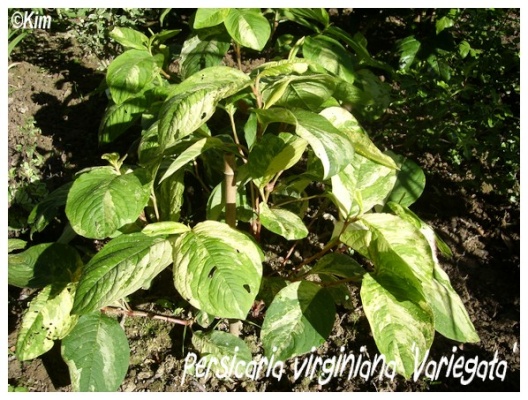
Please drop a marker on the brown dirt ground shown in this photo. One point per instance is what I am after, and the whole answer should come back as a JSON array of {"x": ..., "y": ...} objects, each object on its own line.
[{"x": 51, "y": 84}]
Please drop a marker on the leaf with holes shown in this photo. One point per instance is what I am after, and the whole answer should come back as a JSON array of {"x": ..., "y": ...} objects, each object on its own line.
[
  {"x": 217, "y": 269},
  {"x": 300, "y": 317},
  {"x": 119, "y": 117},
  {"x": 101, "y": 201},
  {"x": 124, "y": 265},
  {"x": 199, "y": 53},
  {"x": 97, "y": 354},
  {"x": 47, "y": 319}
]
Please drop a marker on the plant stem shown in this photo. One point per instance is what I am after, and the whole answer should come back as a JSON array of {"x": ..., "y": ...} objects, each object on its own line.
[
  {"x": 235, "y": 326},
  {"x": 332, "y": 243},
  {"x": 166, "y": 75},
  {"x": 230, "y": 189},
  {"x": 315, "y": 196},
  {"x": 239, "y": 60},
  {"x": 235, "y": 136},
  {"x": 145, "y": 314}
]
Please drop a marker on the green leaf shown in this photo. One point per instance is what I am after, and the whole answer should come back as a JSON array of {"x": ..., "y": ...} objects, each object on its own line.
[
  {"x": 97, "y": 354},
  {"x": 410, "y": 182},
  {"x": 408, "y": 49},
  {"x": 348, "y": 124},
  {"x": 307, "y": 92},
  {"x": 300, "y": 317},
  {"x": 270, "y": 287},
  {"x": 170, "y": 196},
  {"x": 306, "y": 16},
  {"x": 198, "y": 53},
  {"x": 165, "y": 228},
  {"x": 344, "y": 191},
  {"x": 272, "y": 154},
  {"x": 45, "y": 211},
  {"x": 227, "y": 81},
  {"x": 219, "y": 349},
  {"x": 338, "y": 265},
  {"x": 441, "y": 68},
  {"x": 400, "y": 319},
  {"x": 296, "y": 66},
  {"x": 392, "y": 242},
  {"x": 207, "y": 17},
  {"x": 331, "y": 55},
  {"x": 282, "y": 222},
  {"x": 46, "y": 319},
  {"x": 191, "y": 153},
  {"x": 124, "y": 265},
  {"x": 101, "y": 201},
  {"x": 374, "y": 182},
  {"x": 361, "y": 185},
  {"x": 275, "y": 114},
  {"x": 148, "y": 149},
  {"x": 464, "y": 48},
  {"x": 443, "y": 23},
  {"x": 376, "y": 95},
  {"x": 250, "y": 130},
  {"x": 358, "y": 46},
  {"x": 451, "y": 317},
  {"x": 164, "y": 35},
  {"x": 129, "y": 38},
  {"x": 120, "y": 117},
  {"x": 330, "y": 145},
  {"x": 130, "y": 73},
  {"x": 248, "y": 27},
  {"x": 15, "y": 244},
  {"x": 194, "y": 101},
  {"x": 44, "y": 264},
  {"x": 217, "y": 269}
]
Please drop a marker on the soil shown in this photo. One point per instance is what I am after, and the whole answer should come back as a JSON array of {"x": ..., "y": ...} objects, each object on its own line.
[{"x": 52, "y": 83}]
